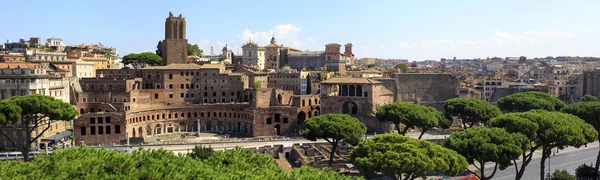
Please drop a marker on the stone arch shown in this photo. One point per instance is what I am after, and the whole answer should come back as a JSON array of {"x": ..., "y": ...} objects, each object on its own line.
[
  {"x": 279, "y": 99},
  {"x": 81, "y": 111},
  {"x": 359, "y": 90},
  {"x": 195, "y": 126},
  {"x": 133, "y": 134},
  {"x": 141, "y": 131},
  {"x": 344, "y": 90},
  {"x": 301, "y": 117},
  {"x": 351, "y": 90},
  {"x": 229, "y": 127},
  {"x": 309, "y": 114},
  {"x": 220, "y": 126},
  {"x": 309, "y": 102},
  {"x": 239, "y": 127},
  {"x": 158, "y": 129},
  {"x": 350, "y": 108},
  {"x": 148, "y": 130},
  {"x": 208, "y": 126},
  {"x": 182, "y": 127}
]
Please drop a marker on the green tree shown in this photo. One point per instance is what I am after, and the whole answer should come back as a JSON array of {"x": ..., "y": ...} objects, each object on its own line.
[
  {"x": 441, "y": 121},
  {"x": 585, "y": 172},
  {"x": 589, "y": 111},
  {"x": 560, "y": 174},
  {"x": 2, "y": 59},
  {"x": 545, "y": 130},
  {"x": 200, "y": 152},
  {"x": 335, "y": 129},
  {"x": 159, "y": 49},
  {"x": 194, "y": 50},
  {"x": 83, "y": 163},
  {"x": 589, "y": 97},
  {"x": 403, "y": 67},
  {"x": 400, "y": 156},
  {"x": 525, "y": 101},
  {"x": 408, "y": 114},
  {"x": 256, "y": 85},
  {"x": 482, "y": 145},
  {"x": 308, "y": 84},
  {"x": 142, "y": 60},
  {"x": 26, "y": 114},
  {"x": 471, "y": 111}
]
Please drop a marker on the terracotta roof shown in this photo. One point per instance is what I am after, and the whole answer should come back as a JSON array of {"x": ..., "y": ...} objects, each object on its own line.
[
  {"x": 350, "y": 81},
  {"x": 211, "y": 66},
  {"x": 18, "y": 66},
  {"x": 176, "y": 66}
]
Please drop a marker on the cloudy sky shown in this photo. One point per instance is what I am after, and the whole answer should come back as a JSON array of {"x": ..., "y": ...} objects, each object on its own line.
[{"x": 414, "y": 30}]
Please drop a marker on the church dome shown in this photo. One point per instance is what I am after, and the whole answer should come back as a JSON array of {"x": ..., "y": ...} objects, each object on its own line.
[{"x": 226, "y": 48}]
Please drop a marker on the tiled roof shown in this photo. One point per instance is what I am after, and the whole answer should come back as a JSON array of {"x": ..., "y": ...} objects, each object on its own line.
[
  {"x": 176, "y": 66},
  {"x": 18, "y": 66},
  {"x": 350, "y": 81}
]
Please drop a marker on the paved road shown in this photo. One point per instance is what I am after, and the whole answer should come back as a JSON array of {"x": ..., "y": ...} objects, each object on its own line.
[{"x": 569, "y": 159}]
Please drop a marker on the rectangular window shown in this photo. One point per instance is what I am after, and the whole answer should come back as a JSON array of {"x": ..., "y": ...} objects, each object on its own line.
[
  {"x": 83, "y": 130},
  {"x": 117, "y": 129},
  {"x": 187, "y": 86},
  {"x": 181, "y": 95},
  {"x": 100, "y": 129},
  {"x": 268, "y": 120},
  {"x": 155, "y": 96},
  {"x": 277, "y": 117},
  {"x": 181, "y": 86},
  {"x": 92, "y": 120},
  {"x": 170, "y": 86},
  {"x": 285, "y": 120},
  {"x": 92, "y": 130},
  {"x": 107, "y": 120},
  {"x": 107, "y": 129},
  {"x": 170, "y": 76},
  {"x": 171, "y": 96}
]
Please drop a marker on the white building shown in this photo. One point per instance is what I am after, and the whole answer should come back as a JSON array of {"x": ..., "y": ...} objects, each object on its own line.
[
  {"x": 18, "y": 79},
  {"x": 83, "y": 69},
  {"x": 253, "y": 55}
]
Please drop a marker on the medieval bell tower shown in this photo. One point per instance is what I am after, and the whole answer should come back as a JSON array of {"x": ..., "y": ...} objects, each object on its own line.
[{"x": 174, "y": 47}]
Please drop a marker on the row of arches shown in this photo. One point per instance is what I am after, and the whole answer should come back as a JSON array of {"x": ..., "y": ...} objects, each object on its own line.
[
  {"x": 182, "y": 115},
  {"x": 152, "y": 129},
  {"x": 351, "y": 90}
]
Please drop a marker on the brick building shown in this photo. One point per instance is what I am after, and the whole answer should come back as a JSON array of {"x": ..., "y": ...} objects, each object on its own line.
[{"x": 118, "y": 104}]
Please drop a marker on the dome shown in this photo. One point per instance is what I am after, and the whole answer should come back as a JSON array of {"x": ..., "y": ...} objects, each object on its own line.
[{"x": 226, "y": 48}]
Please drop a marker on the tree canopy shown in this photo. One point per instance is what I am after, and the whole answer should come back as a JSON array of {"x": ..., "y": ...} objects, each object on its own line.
[
  {"x": 159, "y": 49},
  {"x": 545, "y": 130},
  {"x": 194, "y": 50},
  {"x": 28, "y": 113},
  {"x": 560, "y": 174},
  {"x": 589, "y": 97},
  {"x": 400, "y": 156},
  {"x": 334, "y": 128},
  {"x": 408, "y": 114},
  {"x": 482, "y": 145},
  {"x": 91, "y": 163},
  {"x": 142, "y": 60},
  {"x": 403, "y": 67},
  {"x": 525, "y": 101},
  {"x": 471, "y": 111},
  {"x": 200, "y": 152},
  {"x": 589, "y": 111}
]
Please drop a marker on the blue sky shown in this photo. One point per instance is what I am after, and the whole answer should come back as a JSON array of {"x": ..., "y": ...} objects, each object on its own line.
[{"x": 414, "y": 30}]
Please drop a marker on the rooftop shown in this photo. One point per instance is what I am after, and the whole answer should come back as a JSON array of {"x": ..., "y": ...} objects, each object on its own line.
[{"x": 350, "y": 81}]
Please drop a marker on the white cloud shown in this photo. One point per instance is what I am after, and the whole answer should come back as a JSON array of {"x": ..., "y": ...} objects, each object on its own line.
[
  {"x": 286, "y": 34},
  {"x": 498, "y": 43}
]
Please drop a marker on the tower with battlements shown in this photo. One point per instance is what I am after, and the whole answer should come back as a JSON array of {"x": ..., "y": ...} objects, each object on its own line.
[{"x": 174, "y": 46}]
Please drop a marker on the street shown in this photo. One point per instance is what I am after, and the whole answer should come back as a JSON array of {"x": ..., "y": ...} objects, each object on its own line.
[{"x": 563, "y": 160}]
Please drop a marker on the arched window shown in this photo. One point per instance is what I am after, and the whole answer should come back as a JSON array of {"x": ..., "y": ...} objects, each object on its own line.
[
  {"x": 352, "y": 91},
  {"x": 359, "y": 91},
  {"x": 201, "y": 114},
  {"x": 81, "y": 111}
]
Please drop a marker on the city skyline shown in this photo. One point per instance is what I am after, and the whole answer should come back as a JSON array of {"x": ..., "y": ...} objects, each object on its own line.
[{"x": 406, "y": 30}]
